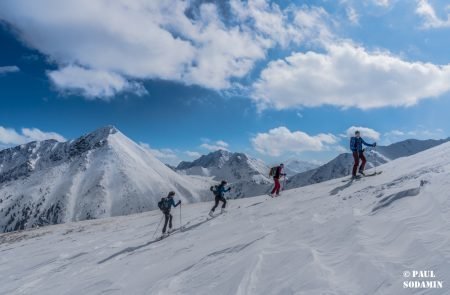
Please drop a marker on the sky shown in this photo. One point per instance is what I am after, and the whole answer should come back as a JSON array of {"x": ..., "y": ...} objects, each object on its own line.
[{"x": 274, "y": 79}]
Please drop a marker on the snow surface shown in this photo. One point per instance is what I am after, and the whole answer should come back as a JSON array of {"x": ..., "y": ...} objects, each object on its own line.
[{"x": 330, "y": 238}]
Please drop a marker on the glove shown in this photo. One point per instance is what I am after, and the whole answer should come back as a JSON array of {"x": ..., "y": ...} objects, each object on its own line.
[
  {"x": 374, "y": 144},
  {"x": 179, "y": 202}
]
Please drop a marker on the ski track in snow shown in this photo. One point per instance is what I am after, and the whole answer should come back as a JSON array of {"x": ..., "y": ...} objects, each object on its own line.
[{"x": 326, "y": 238}]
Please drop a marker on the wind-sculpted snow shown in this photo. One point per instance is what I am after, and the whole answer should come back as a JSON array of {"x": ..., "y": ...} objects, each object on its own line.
[
  {"x": 358, "y": 240},
  {"x": 100, "y": 174}
]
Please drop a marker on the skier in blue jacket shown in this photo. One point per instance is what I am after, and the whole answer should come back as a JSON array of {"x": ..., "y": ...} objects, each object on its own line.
[
  {"x": 165, "y": 205},
  {"x": 356, "y": 146},
  {"x": 219, "y": 193}
]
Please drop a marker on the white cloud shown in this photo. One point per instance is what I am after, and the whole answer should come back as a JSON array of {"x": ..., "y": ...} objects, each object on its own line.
[
  {"x": 430, "y": 17},
  {"x": 93, "y": 83},
  {"x": 9, "y": 69},
  {"x": 352, "y": 15},
  {"x": 283, "y": 27},
  {"x": 365, "y": 132},
  {"x": 164, "y": 154},
  {"x": 36, "y": 134},
  {"x": 281, "y": 140},
  {"x": 218, "y": 145},
  {"x": 10, "y": 137},
  {"x": 155, "y": 39},
  {"x": 348, "y": 76},
  {"x": 193, "y": 154}
]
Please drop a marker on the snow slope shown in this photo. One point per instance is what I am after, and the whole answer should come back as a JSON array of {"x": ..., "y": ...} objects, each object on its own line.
[
  {"x": 343, "y": 163},
  {"x": 247, "y": 176},
  {"x": 101, "y": 174},
  {"x": 329, "y": 238}
]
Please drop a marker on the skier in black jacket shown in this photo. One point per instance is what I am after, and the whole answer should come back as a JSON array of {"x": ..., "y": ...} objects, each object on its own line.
[{"x": 276, "y": 179}]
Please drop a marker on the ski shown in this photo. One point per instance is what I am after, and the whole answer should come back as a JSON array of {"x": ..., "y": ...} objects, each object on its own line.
[
  {"x": 209, "y": 217},
  {"x": 168, "y": 234},
  {"x": 373, "y": 174},
  {"x": 358, "y": 177}
]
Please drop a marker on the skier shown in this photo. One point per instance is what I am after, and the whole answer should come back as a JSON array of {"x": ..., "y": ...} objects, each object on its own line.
[
  {"x": 165, "y": 205},
  {"x": 219, "y": 192},
  {"x": 277, "y": 173},
  {"x": 356, "y": 145}
]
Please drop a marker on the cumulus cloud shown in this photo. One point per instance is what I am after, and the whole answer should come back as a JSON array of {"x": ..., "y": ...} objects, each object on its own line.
[
  {"x": 281, "y": 140},
  {"x": 347, "y": 75},
  {"x": 214, "y": 146},
  {"x": 9, "y": 69},
  {"x": 93, "y": 83},
  {"x": 155, "y": 39},
  {"x": 10, "y": 137},
  {"x": 365, "y": 132},
  {"x": 283, "y": 27},
  {"x": 430, "y": 17}
]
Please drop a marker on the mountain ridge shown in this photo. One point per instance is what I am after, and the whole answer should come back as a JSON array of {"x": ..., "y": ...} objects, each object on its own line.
[{"x": 100, "y": 174}]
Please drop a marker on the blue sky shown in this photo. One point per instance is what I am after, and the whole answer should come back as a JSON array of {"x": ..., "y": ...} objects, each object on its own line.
[{"x": 184, "y": 78}]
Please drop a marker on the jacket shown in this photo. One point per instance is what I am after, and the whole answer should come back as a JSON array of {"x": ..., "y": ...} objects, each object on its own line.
[
  {"x": 279, "y": 173},
  {"x": 356, "y": 144},
  {"x": 221, "y": 190},
  {"x": 170, "y": 203}
]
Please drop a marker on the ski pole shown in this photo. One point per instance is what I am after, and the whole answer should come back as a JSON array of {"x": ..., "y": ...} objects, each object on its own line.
[
  {"x": 158, "y": 226},
  {"x": 375, "y": 156},
  {"x": 181, "y": 227}
]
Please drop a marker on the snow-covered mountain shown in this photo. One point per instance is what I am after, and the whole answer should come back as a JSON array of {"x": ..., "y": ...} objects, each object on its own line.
[
  {"x": 294, "y": 166},
  {"x": 329, "y": 238},
  {"x": 343, "y": 164},
  {"x": 247, "y": 176},
  {"x": 101, "y": 174}
]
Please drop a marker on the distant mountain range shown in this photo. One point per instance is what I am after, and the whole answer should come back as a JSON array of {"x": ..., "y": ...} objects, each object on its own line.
[
  {"x": 248, "y": 176},
  {"x": 101, "y": 174},
  {"x": 294, "y": 166}
]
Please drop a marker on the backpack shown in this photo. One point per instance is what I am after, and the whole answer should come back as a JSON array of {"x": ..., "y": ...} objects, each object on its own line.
[
  {"x": 164, "y": 204},
  {"x": 353, "y": 143},
  {"x": 214, "y": 189},
  {"x": 273, "y": 171}
]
